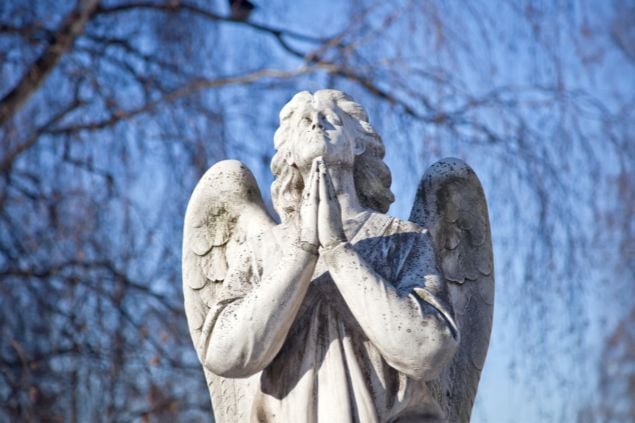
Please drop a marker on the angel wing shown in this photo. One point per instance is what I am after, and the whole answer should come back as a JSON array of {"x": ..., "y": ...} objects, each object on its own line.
[
  {"x": 225, "y": 209},
  {"x": 450, "y": 203}
]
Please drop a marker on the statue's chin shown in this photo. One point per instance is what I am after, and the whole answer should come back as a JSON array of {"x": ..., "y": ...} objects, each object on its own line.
[
  {"x": 310, "y": 150},
  {"x": 319, "y": 146},
  {"x": 337, "y": 160}
]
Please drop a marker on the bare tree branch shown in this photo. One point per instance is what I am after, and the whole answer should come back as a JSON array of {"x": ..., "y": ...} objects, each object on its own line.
[
  {"x": 187, "y": 89},
  {"x": 186, "y": 7},
  {"x": 10, "y": 157},
  {"x": 63, "y": 39}
]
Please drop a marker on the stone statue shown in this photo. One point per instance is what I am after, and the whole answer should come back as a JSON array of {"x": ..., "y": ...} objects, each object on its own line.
[{"x": 340, "y": 313}]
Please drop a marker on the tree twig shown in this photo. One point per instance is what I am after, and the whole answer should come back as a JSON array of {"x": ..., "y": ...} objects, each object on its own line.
[{"x": 62, "y": 40}]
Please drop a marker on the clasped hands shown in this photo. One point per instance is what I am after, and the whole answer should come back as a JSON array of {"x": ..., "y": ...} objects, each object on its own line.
[{"x": 320, "y": 215}]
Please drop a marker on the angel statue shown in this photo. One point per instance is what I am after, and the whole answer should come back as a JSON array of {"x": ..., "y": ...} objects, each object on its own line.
[{"x": 340, "y": 313}]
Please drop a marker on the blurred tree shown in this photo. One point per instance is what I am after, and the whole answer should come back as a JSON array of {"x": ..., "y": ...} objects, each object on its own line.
[
  {"x": 111, "y": 110},
  {"x": 616, "y": 387}
]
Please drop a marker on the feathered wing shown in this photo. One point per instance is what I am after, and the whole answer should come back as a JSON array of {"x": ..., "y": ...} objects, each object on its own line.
[
  {"x": 225, "y": 209},
  {"x": 450, "y": 203}
]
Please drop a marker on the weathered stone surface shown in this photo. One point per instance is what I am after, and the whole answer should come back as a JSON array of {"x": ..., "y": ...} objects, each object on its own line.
[{"x": 340, "y": 313}]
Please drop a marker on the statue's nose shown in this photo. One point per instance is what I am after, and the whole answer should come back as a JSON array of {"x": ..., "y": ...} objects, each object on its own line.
[{"x": 317, "y": 121}]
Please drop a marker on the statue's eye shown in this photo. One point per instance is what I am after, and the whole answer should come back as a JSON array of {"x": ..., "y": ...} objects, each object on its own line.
[{"x": 306, "y": 120}]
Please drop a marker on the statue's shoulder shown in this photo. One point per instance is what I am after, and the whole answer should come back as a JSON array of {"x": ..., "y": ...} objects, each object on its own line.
[
  {"x": 390, "y": 225},
  {"x": 406, "y": 226},
  {"x": 388, "y": 236}
]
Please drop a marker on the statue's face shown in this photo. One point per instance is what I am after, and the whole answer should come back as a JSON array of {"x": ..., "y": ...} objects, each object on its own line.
[{"x": 319, "y": 129}]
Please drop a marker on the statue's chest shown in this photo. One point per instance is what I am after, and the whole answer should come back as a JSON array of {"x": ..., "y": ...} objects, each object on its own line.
[{"x": 324, "y": 294}]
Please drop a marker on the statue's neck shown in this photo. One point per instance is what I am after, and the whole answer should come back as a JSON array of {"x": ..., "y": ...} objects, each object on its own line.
[{"x": 344, "y": 185}]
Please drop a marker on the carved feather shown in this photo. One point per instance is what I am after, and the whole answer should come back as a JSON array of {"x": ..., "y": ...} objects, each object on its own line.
[
  {"x": 225, "y": 210},
  {"x": 451, "y": 204}
]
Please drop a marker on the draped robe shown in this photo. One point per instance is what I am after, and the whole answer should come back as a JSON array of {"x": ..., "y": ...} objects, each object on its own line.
[{"x": 328, "y": 371}]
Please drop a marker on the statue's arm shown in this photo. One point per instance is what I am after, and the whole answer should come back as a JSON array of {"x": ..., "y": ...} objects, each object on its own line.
[
  {"x": 247, "y": 328},
  {"x": 414, "y": 336}
]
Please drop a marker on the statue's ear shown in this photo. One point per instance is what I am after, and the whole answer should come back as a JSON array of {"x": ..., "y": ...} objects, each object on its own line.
[
  {"x": 359, "y": 147},
  {"x": 288, "y": 157}
]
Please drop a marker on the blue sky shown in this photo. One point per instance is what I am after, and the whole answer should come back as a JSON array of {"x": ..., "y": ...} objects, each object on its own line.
[{"x": 545, "y": 78}]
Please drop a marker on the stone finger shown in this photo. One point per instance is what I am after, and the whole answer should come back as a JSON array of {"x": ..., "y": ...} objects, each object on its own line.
[
  {"x": 314, "y": 195},
  {"x": 324, "y": 193}
]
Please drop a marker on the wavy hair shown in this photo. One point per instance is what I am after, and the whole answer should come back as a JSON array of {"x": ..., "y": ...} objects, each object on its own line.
[{"x": 372, "y": 176}]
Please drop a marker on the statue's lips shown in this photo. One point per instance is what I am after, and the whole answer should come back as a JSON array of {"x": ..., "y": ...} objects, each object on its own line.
[
  {"x": 310, "y": 146},
  {"x": 318, "y": 137}
]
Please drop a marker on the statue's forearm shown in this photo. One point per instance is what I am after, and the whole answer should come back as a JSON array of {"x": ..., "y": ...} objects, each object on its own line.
[
  {"x": 413, "y": 338},
  {"x": 249, "y": 332}
]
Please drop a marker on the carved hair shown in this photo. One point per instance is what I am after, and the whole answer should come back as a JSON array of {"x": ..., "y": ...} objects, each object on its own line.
[{"x": 372, "y": 176}]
